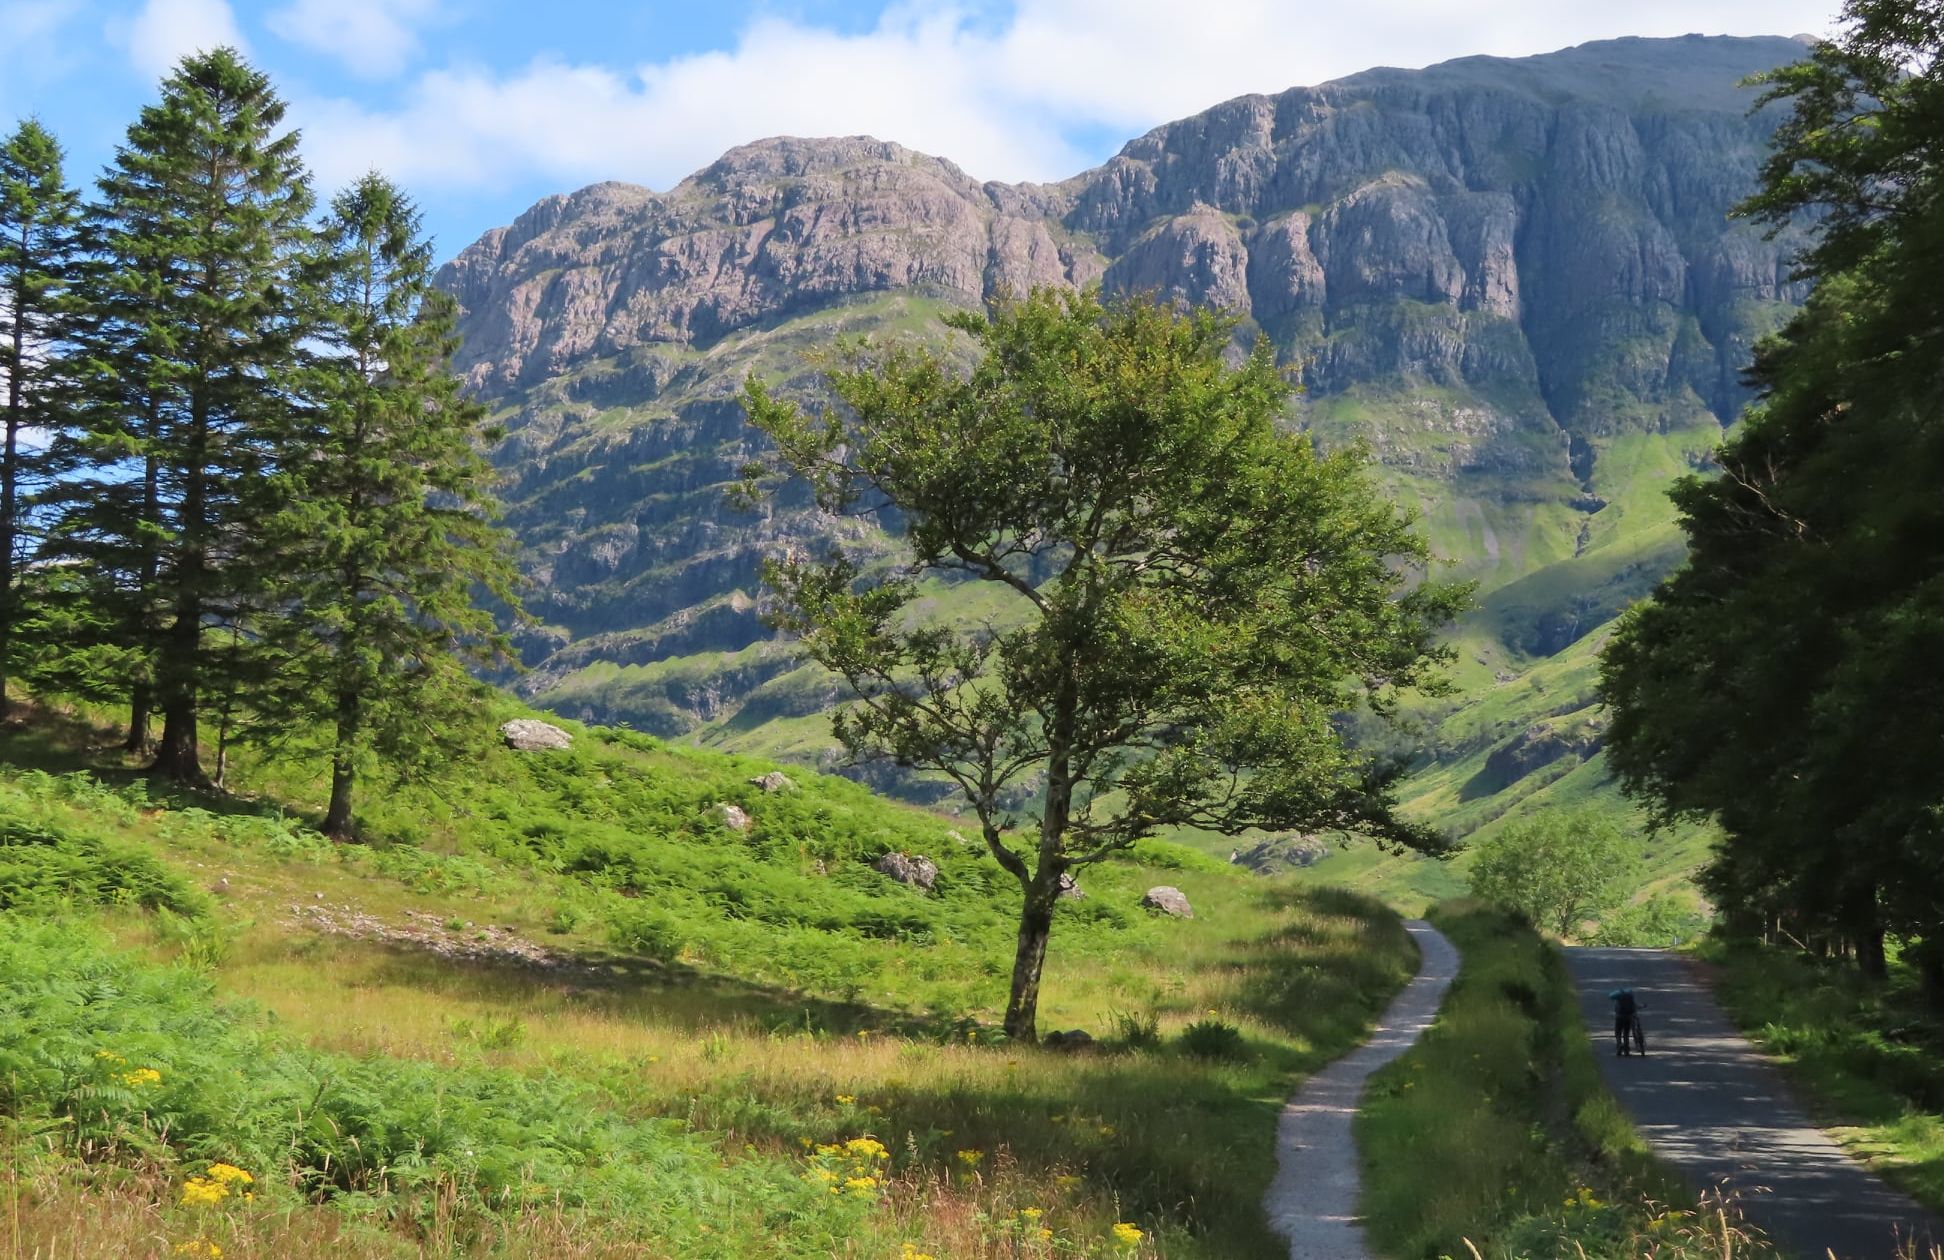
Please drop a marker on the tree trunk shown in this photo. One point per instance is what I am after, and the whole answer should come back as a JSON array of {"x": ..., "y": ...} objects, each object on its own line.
[
  {"x": 1930, "y": 969},
  {"x": 344, "y": 771},
  {"x": 1866, "y": 932},
  {"x": 10, "y": 486},
  {"x": 138, "y": 718},
  {"x": 1035, "y": 925},
  {"x": 178, "y": 756},
  {"x": 179, "y": 670}
]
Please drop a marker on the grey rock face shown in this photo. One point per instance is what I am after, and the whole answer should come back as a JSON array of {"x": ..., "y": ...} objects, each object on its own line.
[
  {"x": 731, "y": 816},
  {"x": 774, "y": 781},
  {"x": 533, "y": 735},
  {"x": 916, "y": 871},
  {"x": 1169, "y": 900}
]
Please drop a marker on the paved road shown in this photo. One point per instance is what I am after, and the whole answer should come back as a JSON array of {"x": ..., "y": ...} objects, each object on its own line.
[
  {"x": 1712, "y": 1106},
  {"x": 1313, "y": 1201}
]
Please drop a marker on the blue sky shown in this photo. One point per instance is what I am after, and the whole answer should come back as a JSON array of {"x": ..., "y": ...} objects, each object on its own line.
[{"x": 481, "y": 107}]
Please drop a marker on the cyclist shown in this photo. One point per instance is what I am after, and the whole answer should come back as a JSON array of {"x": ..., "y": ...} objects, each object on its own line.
[{"x": 1626, "y": 1021}]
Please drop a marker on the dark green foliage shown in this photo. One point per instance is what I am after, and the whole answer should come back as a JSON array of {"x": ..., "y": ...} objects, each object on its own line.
[
  {"x": 384, "y": 520},
  {"x": 1196, "y": 593},
  {"x": 196, "y": 323},
  {"x": 40, "y": 263},
  {"x": 1786, "y": 682}
]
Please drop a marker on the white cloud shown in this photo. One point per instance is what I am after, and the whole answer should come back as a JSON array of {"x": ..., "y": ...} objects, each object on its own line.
[
  {"x": 374, "y": 39},
  {"x": 1004, "y": 102},
  {"x": 163, "y": 32}
]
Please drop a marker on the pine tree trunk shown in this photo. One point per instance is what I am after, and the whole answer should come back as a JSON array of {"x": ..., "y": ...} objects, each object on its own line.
[
  {"x": 138, "y": 718},
  {"x": 344, "y": 771},
  {"x": 178, "y": 756},
  {"x": 1930, "y": 970},
  {"x": 1867, "y": 932},
  {"x": 179, "y": 669},
  {"x": 1035, "y": 926},
  {"x": 10, "y": 476}
]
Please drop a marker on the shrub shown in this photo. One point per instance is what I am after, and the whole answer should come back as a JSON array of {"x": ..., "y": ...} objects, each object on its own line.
[
  {"x": 1136, "y": 1030},
  {"x": 650, "y": 933},
  {"x": 1213, "y": 1039}
]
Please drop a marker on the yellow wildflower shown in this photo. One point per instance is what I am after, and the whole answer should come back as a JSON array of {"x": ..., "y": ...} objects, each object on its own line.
[
  {"x": 860, "y": 1185},
  {"x": 867, "y": 1148},
  {"x": 199, "y": 1247},
  {"x": 140, "y": 1077},
  {"x": 229, "y": 1173},
  {"x": 1126, "y": 1235},
  {"x": 202, "y": 1192},
  {"x": 845, "y": 1100},
  {"x": 1029, "y": 1215},
  {"x": 1044, "y": 1235},
  {"x": 970, "y": 1158}
]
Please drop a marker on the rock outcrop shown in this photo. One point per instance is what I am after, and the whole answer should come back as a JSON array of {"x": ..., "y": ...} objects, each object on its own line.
[
  {"x": 533, "y": 735},
  {"x": 1274, "y": 854},
  {"x": 912, "y": 870}
]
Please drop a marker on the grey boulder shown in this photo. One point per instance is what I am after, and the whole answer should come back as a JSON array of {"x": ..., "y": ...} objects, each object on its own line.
[
  {"x": 533, "y": 735},
  {"x": 1169, "y": 900}
]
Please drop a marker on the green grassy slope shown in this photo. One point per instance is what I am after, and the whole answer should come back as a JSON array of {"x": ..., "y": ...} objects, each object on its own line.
[{"x": 556, "y": 1007}]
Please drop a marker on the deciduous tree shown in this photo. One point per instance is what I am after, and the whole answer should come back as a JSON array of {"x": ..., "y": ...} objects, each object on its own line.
[{"x": 1196, "y": 593}]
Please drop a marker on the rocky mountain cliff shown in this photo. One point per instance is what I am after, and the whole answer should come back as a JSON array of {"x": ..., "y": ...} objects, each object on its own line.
[{"x": 1516, "y": 280}]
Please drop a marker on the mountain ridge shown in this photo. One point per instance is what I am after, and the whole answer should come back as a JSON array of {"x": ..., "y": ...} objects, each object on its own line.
[{"x": 1514, "y": 279}]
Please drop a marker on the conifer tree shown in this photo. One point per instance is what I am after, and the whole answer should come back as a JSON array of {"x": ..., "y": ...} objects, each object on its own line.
[
  {"x": 40, "y": 258},
  {"x": 386, "y": 527},
  {"x": 202, "y": 219}
]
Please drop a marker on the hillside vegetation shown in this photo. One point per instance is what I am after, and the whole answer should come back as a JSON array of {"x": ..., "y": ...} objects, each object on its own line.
[{"x": 557, "y": 1007}]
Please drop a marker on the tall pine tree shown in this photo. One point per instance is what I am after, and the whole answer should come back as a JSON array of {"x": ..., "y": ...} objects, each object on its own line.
[
  {"x": 40, "y": 259},
  {"x": 386, "y": 527},
  {"x": 202, "y": 216}
]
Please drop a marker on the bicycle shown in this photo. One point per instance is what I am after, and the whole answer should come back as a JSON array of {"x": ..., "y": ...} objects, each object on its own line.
[{"x": 1638, "y": 1036}]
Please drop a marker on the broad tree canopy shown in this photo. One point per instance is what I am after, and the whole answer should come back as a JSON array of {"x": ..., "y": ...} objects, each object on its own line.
[{"x": 1198, "y": 593}]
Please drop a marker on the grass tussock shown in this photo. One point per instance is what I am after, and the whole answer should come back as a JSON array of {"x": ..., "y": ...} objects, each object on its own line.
[{"x": 1494, "y": 1138}]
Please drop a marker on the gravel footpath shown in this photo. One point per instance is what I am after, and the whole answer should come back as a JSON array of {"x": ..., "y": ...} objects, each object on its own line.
[{"x": 1313, "y": 1201}]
